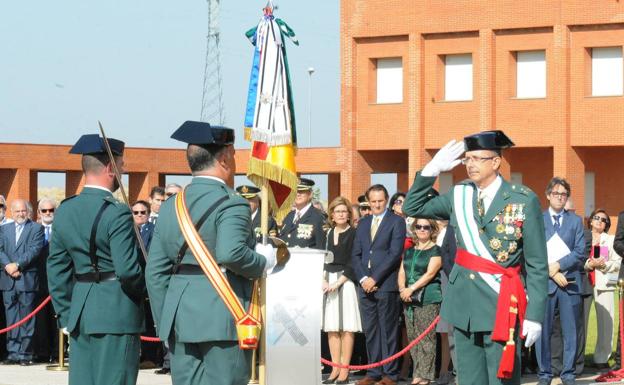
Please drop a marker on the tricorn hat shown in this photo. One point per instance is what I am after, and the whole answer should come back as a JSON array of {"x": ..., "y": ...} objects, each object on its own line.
[
  {"x": 203, "y": 133},
  {"x": 487, "y": 140},
  {"x": 94, "y": 144}
]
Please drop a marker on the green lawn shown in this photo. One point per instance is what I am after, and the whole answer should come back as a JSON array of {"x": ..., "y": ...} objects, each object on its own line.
[{"x": 591, "y": 332}]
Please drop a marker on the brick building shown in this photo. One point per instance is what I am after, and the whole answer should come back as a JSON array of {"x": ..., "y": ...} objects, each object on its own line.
[{"x": 416, "y": 74}]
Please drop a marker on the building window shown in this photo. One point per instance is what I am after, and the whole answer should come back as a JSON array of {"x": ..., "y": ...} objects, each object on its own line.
[
  {"x": 531, "y": 74},
  {"x": 458, "y": 77},
  {"x": 389, "y": 80},
  {"x": 607, "y": 71}
]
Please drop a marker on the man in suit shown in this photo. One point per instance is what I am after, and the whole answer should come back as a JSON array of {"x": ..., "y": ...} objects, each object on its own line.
[
  {"x": 500, "y": 236},
  {"x": 140, "y": 215},
  {"x": 156, "y": 199},
  {"x": 565, "y": 285},
  {"x": 305, "y": 225},
  {"x": 95, "y": 274},
  {"x": 376, "y": 258},
  {"x": 251, "y": 194},
  {"x": 181, "y": 295},
  {"x": 20, "y": 247}
]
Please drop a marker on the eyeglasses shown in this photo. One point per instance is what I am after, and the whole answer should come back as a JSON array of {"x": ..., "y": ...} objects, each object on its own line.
[
  {"x": 46, "y": 211},
  {"x": 559, "y": 194},
  {"x": 142, "y": 212},
  {"x": 398, "y": 202},
  {"x": 599, "y": 218},
  {"x": 341, "y": 212},
  {"x": 476, "y": 159},
  {"x": 422, "y": 227}
]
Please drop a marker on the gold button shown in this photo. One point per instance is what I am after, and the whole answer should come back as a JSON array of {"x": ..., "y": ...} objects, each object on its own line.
[
  {"x": 481, "y": 231},
  {"x": 472, "y": 276}
]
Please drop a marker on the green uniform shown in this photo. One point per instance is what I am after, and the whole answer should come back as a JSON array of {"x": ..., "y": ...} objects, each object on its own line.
[
  {"x": 104, "y": 318},
  {"x": 470, "y": 303},
  {"x": 187, "y": 310}
]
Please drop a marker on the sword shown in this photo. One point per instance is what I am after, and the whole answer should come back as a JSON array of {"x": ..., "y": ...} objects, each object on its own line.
[{"x": 121, "y": 188}]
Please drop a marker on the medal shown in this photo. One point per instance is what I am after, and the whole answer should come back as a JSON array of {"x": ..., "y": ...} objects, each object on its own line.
[
  {"x": 509, "y": 229},
  {"x": 513, "y": 246},
  {"x": 502, "y": 256},
  {"x": 500, "y": 228},
  {"x": 495, "y": 243},
  {"x": 518, "y": 233}
]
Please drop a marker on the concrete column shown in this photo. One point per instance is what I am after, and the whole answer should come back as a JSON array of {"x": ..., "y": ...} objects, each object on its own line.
[
  {"x": 7, "y": 176},
  {"x": 486, "y": 80},
  {"x": 138, "y": 186},
  {"x": 417, "y": 156},
  {"x": 74, "y": 181},
  {"x": 24, "y": 186},
  {"x": 333, "y": 186},
  {"x": 404, "y": 182}
]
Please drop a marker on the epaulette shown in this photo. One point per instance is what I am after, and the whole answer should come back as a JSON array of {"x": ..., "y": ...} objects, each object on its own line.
[
  {"x": 521, "y": 189},
  {"x": 66, "y": 199},
  {"x": 114, "y": 201}
]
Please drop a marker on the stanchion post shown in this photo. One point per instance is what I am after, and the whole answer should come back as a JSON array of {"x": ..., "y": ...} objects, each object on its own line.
[
  {"x": 61, "y": 355},
  {"x": 621, "y": 302}
]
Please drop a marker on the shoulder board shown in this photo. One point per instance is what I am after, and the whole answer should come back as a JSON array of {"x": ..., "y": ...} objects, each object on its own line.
[
  {"x": 521, "y": 189},
  {"x": 114, "y": 201},
  {"x": 68, "y": 198}
]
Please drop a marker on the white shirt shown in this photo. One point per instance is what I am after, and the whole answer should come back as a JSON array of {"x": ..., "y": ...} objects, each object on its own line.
[
  {"x": 210, "y": 177},
  {"x": 253, "y": 215},
  {"x": 552, "y": 213},
  {"x": 488, "y": 193},
  {"x": 300, "y": 213},
  {"x": 98, "y": 187}
]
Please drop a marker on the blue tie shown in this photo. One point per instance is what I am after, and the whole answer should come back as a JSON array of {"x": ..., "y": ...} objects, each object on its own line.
[
  {"x": 18, "y": 232},
  {"x": 557, "y": 224}
]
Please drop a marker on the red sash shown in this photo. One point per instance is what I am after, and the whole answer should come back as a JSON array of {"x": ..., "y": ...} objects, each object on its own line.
[{"x": 510, "y": 308}]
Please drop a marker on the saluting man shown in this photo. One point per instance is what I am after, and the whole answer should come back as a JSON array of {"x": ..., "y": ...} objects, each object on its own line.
[
  {"x": 500, "y": 232},
  {"x": 251, "y": 194},
  {"x": 95, "y": 276},
  {"x": 304, "y": 226},
  {"x": 188, "y": 311}
]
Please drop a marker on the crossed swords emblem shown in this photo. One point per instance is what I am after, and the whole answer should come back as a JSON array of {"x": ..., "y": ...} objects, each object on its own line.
[{"x": 282, "y": 316}]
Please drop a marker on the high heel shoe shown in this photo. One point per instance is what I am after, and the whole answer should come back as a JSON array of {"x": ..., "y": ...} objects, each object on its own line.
[
  {"x": 342, "y": 382},
  {"x": 330, "y": 380}
]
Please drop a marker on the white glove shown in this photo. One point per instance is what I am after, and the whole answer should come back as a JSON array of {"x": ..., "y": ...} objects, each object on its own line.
[
  {"x": 64, "y": 330},
  {"x": 269, "y": 253},
  {"x": 532, "y": 331},
  {"x": 445, "y": 159}
]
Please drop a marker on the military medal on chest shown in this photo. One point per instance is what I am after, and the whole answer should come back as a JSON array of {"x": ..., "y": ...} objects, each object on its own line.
[
  {"x": 495, "y": 243},
  {"x": 304, "y": 231},
  {"x": 502, "y": 256}
]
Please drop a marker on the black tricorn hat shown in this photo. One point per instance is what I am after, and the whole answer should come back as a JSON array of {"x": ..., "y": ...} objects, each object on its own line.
[
  {"x": 247, "y": 191},
  {"x": 94, "y": 144},
  {"x": 363, "y": 202},
  {"x": 487, "y": 140},
  {"x": 305, "y": 184},
  {"x": 192, "y": 132}
]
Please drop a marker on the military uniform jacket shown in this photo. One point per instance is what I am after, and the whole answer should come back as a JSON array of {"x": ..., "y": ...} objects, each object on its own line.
[
  {"x": 469, "y": 302},
  {"x": 189, "y": 303},
  {"x": 108, "y": 307},
  {"x": 308, "y": 232},
  {"x": 256, "y": 230}
]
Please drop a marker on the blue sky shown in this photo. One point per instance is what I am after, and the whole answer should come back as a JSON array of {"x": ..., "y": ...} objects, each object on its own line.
[{"x": 138, "y": 66}]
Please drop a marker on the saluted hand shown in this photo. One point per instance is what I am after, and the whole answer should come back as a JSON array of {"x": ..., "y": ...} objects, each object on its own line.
[{"x": 444, "y": 160}]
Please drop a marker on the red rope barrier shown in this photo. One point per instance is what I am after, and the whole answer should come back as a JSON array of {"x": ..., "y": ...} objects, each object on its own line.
[
  {"x": 389, "y": 359},
  {"x": 25, "y": 319},
  {"x": 150, "y": 339}
]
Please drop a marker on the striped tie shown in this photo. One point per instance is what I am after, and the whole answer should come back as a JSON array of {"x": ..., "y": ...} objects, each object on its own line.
[{"x": 374, "y": 227}]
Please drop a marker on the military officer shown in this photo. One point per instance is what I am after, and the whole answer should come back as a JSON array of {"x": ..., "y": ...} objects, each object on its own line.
[
  {"x": 500, "y": 232},
  {"x": 365, "y": 208},
  {"x": 251, "y": 194},
  {"x": 95, "y": 275},
  {"x": 305, "y": 225},
  {"x": 187, "y": 309}
]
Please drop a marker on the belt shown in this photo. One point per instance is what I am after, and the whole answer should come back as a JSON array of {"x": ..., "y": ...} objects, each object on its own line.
[
  {"x": 188, "y": 269},
  {"x": 96, "y": 277}
]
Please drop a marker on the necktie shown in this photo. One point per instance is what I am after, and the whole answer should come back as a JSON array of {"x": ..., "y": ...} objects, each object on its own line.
[
  {"x": 18, "y": 232},
  {"x": 480, "y": 204},
  {"x": 297, "y": 217},
  {"x": 374, "y": 227},
  {"x": 46, "y": 234},
  {"x": 557, "y": 224}
]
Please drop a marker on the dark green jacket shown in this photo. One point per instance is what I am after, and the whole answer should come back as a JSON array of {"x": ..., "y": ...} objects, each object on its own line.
[
  {"x": 108, "y": 307},
  {"x": 469, "y": 302},
  {"x": 189, "y": 303}
]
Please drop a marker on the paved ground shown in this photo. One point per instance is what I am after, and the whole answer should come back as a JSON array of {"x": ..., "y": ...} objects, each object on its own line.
[{"x": 38, "y": 375}]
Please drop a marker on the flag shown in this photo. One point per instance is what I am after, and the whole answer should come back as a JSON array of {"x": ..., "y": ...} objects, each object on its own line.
[{"x": 270, "y": 116}]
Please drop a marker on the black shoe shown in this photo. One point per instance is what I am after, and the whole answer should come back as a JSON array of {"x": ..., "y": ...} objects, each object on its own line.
[
  {"x": 163, "y": 371},
  {"x": 10, "y": 362},
  {"x": 342, "y": 382},
  {"x": 329, "y": 380},
  {"x": 25, "y": 362}
]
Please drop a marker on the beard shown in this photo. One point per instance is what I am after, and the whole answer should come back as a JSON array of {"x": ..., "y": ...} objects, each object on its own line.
[{"x": 20, "y": 220}]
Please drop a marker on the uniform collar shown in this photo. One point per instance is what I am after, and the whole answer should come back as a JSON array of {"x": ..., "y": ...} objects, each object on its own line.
[{"x": 491, "y": 190}]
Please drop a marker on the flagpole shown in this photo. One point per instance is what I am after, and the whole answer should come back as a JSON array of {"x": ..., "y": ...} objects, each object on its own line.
[{"x": 264, "y": 229}]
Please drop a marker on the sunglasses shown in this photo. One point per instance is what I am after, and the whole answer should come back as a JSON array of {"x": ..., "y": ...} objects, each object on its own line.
[
  {"x": 599, "y": 218},
  {"x": 47, "y": 211},
  {"x": 422, "y": 227},
  {"x": 142, "y": 212},
  {"x": 398, "y": 202}
]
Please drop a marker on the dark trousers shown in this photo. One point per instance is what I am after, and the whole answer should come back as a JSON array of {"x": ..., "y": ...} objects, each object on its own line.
[
  {"x": 17, "y": 305},
  {"x": 380, "y": 321},
  {"x": 556, "y": 343},
  {"x": 46, "y": 331}
]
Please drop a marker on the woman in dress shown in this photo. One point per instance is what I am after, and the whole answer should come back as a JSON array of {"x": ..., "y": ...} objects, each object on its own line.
[
  {"x": 341, "y": 315},
  {"x": 419, "y": 288},
  {"x": 603, "y": 266}
]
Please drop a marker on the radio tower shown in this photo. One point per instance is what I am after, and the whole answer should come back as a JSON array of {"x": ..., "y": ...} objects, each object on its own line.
[{"x": 212, "y": 110}]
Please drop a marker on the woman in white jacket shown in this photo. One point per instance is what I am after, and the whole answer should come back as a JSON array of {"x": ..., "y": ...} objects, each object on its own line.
[{"x": 603, "y": 264}]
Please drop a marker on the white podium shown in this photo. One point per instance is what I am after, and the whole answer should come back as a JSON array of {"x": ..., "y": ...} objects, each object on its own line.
[{"x": 294, "y": 310}]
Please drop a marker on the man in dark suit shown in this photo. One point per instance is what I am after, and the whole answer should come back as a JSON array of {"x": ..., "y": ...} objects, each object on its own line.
[
  {"x": 251, "y": 194},
  {"x": 564, "y": 286},
  {"x": 20, "y": 246},
  {"x": 376, "y": 257},
  {"x": 304, "y": 226}
]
